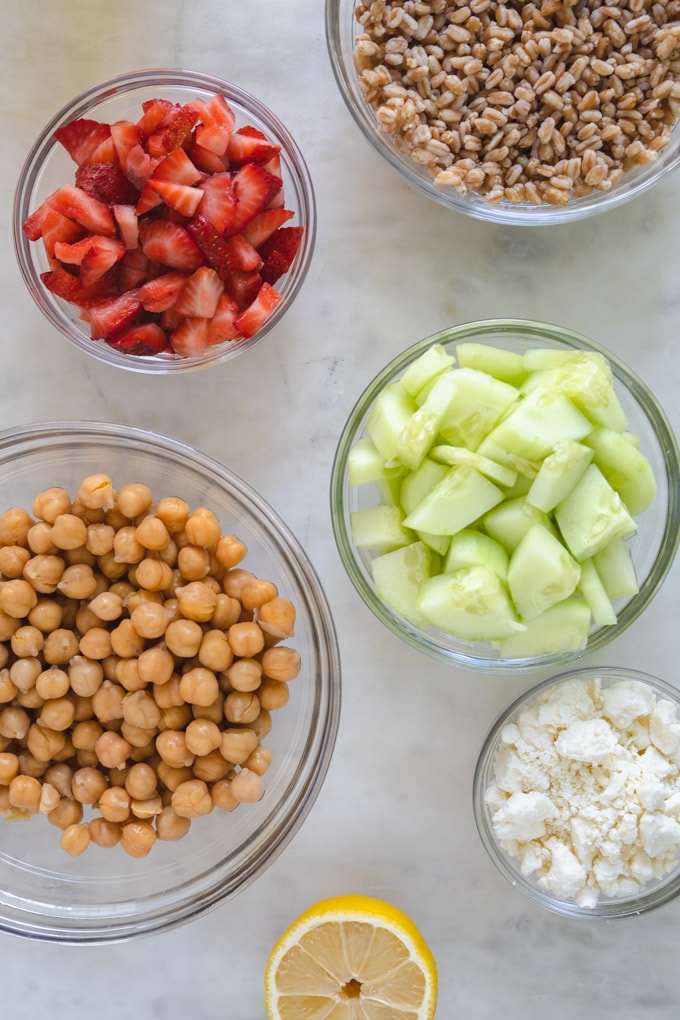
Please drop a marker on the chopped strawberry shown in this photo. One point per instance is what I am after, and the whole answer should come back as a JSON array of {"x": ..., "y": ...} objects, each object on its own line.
[
  {"x": 219, "y": 201},
  {"x": 216, "y": 250},
  {"x": 249, "y": 145},
  {"x": 143, "y": 339},
  {"x": 170, "y": 244},
  {"x": 76, "y": 204},
  {"x": 102, "y": 254},
  {"x": 264, "y": 224},
  {"x": 170, "y": 319},
  {"x": 248, "y": 257},
  {"x": 81, "y": 137},
  {"x": 73, "y": 254},
  {"x": 274, "y": 167},
  {"x": 161, "y": 293},
  {"x": 139, "y": 166},
  {"x": 104, "y": 153},
  {"x": 148, "y": 200},
  {"x": 155, "y": 113},
  {"x": 133, "y": 270},
  {"x": 217, "y": 121},
  {"x": 200, "y": 294},
  {"x": 190, "y": 339},
  {"x": 106, "y": 182},
  {"x": 251, "y": 320},
  {"x": 243, "y": 287},
  {"x": 278, "y": 252},
  {"x": 127, "y": 224},
  {"x": 178, "y": 168},
  {"x": 180, "y": 197},
  {"x": 207, "y": 161},
  {"x": 222, "y": 326},
  {"x": 49, "y": 224},
  {"x": 254, "y": 188},
  {"x": 176, "y": 132},
  {"x": 111, "y": 314},
  {"x": 61, "y": 283},
  {"x": 125, "y": 135}
]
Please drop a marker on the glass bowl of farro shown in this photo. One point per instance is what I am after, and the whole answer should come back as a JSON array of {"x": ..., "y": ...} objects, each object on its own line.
[
  {"x": 148, "y": 771},
  {"x": 477, "y": 525},
  {"x": 507, "y": 113}
]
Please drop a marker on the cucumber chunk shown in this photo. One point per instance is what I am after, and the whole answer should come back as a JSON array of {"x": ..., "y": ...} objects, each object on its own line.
[
  {"x": 537, "y": 422},
  {"x": 459, "y": 455},
  {"x": 365, "y": 464},
  {"x": 379, "y": 528},
  {"x": 420, "y": 431},
  {"x": 595, "y": 594},
  {"x": 505, "y": 365},
  {"x": 558, "y": 474},
  {"x": 625, "y": 468},
  {"x": 398, "y": 575},
  {"x": 456, "y": 501},
  {"x": 479, "y": 403},
  {"x": 541, "y": 573},
  {"x": 509, "y": 522},
  {"x": 616, "y": 570},
  {"x": 426, "y": 367},
  {"x": 470, "y": 603},
  {"x": 584, "y": 377},
  {"x": 389, "y": 417},
  {"x": 469, "y": 548},
  {"x": 592, "y": 515},
  {"x": 562, "y": 628}
]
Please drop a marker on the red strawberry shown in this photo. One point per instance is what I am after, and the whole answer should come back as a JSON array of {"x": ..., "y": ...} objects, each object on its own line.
[
  {"x": 143, "y": 339},
  {"x": 249, "y": 145},
  {"x": 176, "y": 132},
  {"x": 190, "y": 339},
  {"x": 278, "y": 252},
  {"x": 248, "y": 257},
  {"x": 156, "y": 112},
  {"x": 102, "y": 254},
  {"x": 274, "y": 167},
  {"x": 139, "y": 166},
  {"x": 111, "y": 314},
  {"x": 49, "y": 224},
  {"x": 207, "y": 161},
  {"x": 180, "y": 197},
  {"x": 148, "y": 200},
  {"x": 125, "y": 135},
  {"x": 250, "y": 321},
  {"x": 106, "y": 182},
  {"x": 61, "y": 283},
  {"x": 217, "y": 122},
  {"x": 264, "y": 224},
  {"x": 73, "y": 254},
  {"x": 178, "y": 168},
  {"x": 222, "y": 326},
  {"x": 134, "y": 270},
  {"x": 219, "y": 201},
  {"x": 127, "y": 224},
  {"x": 169, "y": 243},
  {"x": 160, "y": 293},
  {"x": 170, "y": 319},
  {"x": 217, "y": 252},
  {"x": 104, "y": 153},
  {"x": 76, "y": 204},
  {"x": 200, "y": 294},
  {"x": 81, "y": 137},
  {"x": 254, "y": 188},
  {"x": 243, "y": 287}
]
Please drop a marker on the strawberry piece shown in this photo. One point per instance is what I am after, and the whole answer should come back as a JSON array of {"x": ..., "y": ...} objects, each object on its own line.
[
  {"x": 222, "y": 326},
  {"x": 274, "y": 167},
  {"x": 161, "y": 293},
  {"x": 104, "y": 153},
  {"x": 249, "y": 145},
  {"x": 216, "y": 250},
  {"x": 61, "y": 283},
  {"x": 170, "y": 244},
  {"x": 148, "y": 200},
  {"x": 171, "y": 319},
  {"x": 127, "y": 224},
  {"x": 73, "y": 254},
  {"x": 278, "y": 252},
  {"x": 243, "y": 287},
  {"x": 180, "y": 197},
  {"x": 139, "y": 166},
  {"x": 49, "y": 224},
  {"x": 200, "y": 294},
  {"x": 134, "y": 270},
  {"x": 254, "y": 188},
  {"x": 217, "y": 121},
  {"x": 219, "y": 201},
  {"x": 142, "y": 339},
  {"x": 76, "y": 204},
  {"x": 155, "y": 113},
  {"x": 190, "y": 339},
  {"x": 264, "y": 224},
  {"x": 125, "y": 135},
  {"x": 105, "y": 182},
  {"x": 176, "y": 132},
  {"x": 178, "y": 168},
  {"x": 207, "y": 161},
  {"x": 81, "y": 137},
  {"x": 102, "y": 254},
  {"x": 251, "y": 320},
  {"x": 111, "y": 314},
  {"x": 248, "y": 257}
]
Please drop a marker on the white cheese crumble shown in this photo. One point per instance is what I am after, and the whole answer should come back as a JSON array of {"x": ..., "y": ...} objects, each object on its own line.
[{"x": 586, "y": 789}]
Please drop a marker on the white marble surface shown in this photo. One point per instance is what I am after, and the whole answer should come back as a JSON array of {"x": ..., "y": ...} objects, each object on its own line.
[{"x": 394, "y": 817}]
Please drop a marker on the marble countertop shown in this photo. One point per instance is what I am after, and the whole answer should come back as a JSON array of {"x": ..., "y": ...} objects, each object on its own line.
[{"x": 394, "y": 817}]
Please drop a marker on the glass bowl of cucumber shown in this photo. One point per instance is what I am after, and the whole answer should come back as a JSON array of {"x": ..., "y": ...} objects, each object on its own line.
[{"x": 506, "y": 495}]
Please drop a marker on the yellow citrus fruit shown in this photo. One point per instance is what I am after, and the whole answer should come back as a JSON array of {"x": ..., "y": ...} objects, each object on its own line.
[{"x": 351, "y": 958}]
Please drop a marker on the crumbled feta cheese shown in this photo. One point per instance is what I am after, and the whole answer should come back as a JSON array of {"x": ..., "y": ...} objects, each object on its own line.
[
  {"x": 590, "y": 740},
  {"x": 523, "y": 816}
]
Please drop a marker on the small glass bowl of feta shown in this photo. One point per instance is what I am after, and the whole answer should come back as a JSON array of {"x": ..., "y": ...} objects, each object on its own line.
[{"x": 577, "y": 793}]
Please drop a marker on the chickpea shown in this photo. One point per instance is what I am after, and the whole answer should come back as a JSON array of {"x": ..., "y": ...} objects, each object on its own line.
[
  {"x": 24, "y": 793},
  {"x": 277, "y": 618},
  {"x": 13, "y": 559},
  {"x": 134, "y": 499},
  {"x": 281, "y": 663},
  {"x": 4, "y": 655},
  {"x": 247, "y": 786},
  {"x": 196, "y": 601},
  {"x": 43, "y": 572},
  {"x": 221, "y": 795},
  {"x": 171, "y": 777},
  {"x": 210, "y": 767},
  {"x": 141, "y": 739},
  {"x": 127, "y": 675},
  {"x": 172, "y": 747},
  {"x": 203, "y": 528},
  {"x": 52, "y": 683},
  {"x": 59, "y": 776},
  {"x": 112, "y": 749},
  {"x": 107, "y": 702},
  {"x": 14, "y": 723},
  {"x": 14, "y": 525},
  {"x": 193, "y": 563},
  {"x": 141, "y": 781},
  {"x": 85, "y": 676},
  {"x": 167, "y": 695},
  {"x": 152, "y": 534},
  {"x": 114, "y": 518},
  {"x": 176, "y": 717},
  {"x": 99, "y": 540},
  {"x": 230, "y": 551},
  {"x": 96, "y": 492},
  {"x": 126, "y": 546},
  {"x": 17, "y": 598},
  {"x": 241, "y": 707},
  {"x": 137, "y": 837},
  {"x": 67, "y": 812},
  {"x": 259, "y": 760},
  {"x": 214, "y": 651},
  {"x": 43, "y": 743},
  {"x": 169, "y": 554},
  {"x": 88, "y": 784},
  {"x": 104, "y": 833},
  {"x": 85, "y": 735},
  {"x": 31, "y": 766},
  {"x": 227, "y": 612},
  {"x": 95, "y": 644},
  {"x": 78, "y": 581},
  {"x": 273, "y": 694},
  {"x": 153, "y": 574},
  {"x": 245, "y": 639},
  {"x": 147, "y": 808},
  {"x": 170, "y": 826},
  {"x": 214, "y": 712},
  {"x": 8, "y": 689},
  {"x": 256, "y": 593},
  {"x": 173, "y": 512},
  {"x": 39, "y": 539},
  {"x": 79, "y": 557},
  {"x": 150, "y": 620},
  {"x": 183, "y": 638},
  {"x": 237, "y": 744},
  {"x": 244, "y": 675},
  {"x": 46, "y": 615},
  {"x": 57, "y": 714},
  {"x": 7, "y": 626},
  {"x": 68, "y": 532},
  {"x": 112, "y": 567},
  {"x": 140, "y": 709},
  {"x": 263, "y": 724},
  {"x": 9, "y": 767},
  {"x": 49, "y": 799},
  {"x": 199, "y": 686},
  {"x": 27, "y": 641},
  {"x": 114, "y": 804},
  {"x": 155, "y": 665},
  {"x": 30, "y": 700},
  {"x": 25, "y": 672},
  {"x": 125, "y": 641},
  {"x": 192, "y": 799},
  {"x": 202, "y": 736},
  {"x": 75, "y": 839},
  {"x": 60, "y": 647}
]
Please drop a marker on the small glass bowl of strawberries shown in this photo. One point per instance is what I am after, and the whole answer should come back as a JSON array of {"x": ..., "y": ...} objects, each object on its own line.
[{"x": 164, "y": 221}]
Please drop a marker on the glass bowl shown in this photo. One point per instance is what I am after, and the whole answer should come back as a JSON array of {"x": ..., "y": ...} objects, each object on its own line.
[
  {"x": 48, "y": 166},
  {"x": 341, "y": 31},
  {"x": 106, "y": 895},
  {"x": 653, "y": 547},
  {"x": 608, "y": 809}
]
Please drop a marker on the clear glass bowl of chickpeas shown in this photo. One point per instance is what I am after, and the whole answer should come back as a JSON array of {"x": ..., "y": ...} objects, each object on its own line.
[{"x": 169, "y": 683}]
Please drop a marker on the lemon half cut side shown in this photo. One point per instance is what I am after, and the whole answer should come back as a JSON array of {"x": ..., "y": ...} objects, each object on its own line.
[{"x": 351, "y": 958}]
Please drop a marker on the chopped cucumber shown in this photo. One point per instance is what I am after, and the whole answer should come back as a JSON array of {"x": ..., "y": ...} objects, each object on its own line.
[
  {"x": 558, "y": 474},
  {"x": 390, "y": 415},
  {"x": 458, "y": 455},
  {"x": 616, "y": 570},
  {"x": 505, "y": 365},
  {"x": 562, "y": 628},
  {"x": 420, "y": 431},
  {"x": 431, "y": 363},
  {"x": 537, "y": 422},
  {"x": 595, "y": 594},
  {"x": 509, "y": 522},
  {"x": 469, "y": 548},
  {"x": 625, "y": 468},
  {"x": 379, "y": 528},
  {"x": 480, "y": 401},
  {"x": 583, "y": 377},
  {"x": 390, "y": 489},
  {"x": 398, "y": 575},
  {"x": 415, "y": 486},
  {"x": 528, "y": 468},
  {"x": 366, "y": 464},
  {"x": 592, "y": 515},
  {"x": 541, "y": 573},
  {"x": 471, "y": 603},
  {"x": 457, "y": 500}
]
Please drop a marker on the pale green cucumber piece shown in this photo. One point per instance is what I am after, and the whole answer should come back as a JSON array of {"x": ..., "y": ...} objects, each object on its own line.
[
  {"x": 537, "y": 422},
  {"x": 420, "y": 431},
  {"x": 520, "y": 488},
  {"x": 470, "y": 603},
  {"x": 397, "y": 576},
  {"x": 379, "y": 528},
  {"x": 592, "y": 515},
  {"x": 586, "y": 378},
  {"x": 537, "y": 359},
  {"x": 528, "y": 468},
  {"x": 437, "y": 543},
  {"x": 501, "y": 364},
  {"x": 459, "y": 455},
  {"x": 469, "y": 548},
  {"x": 389, "y": 416},
  {"x": 390, "y": 490},
  {"x": 425, "y": 368},
  {"x": 456, "y": 501},
  {"x": 625, "y": 468},
  {"x": 365, "y": 464},
  {"x": 562, "y": 628},
  {"x": 632, "y": 438},
  {"x": 594, "y": 593},
  {"x": 416, "y": 484},
  {"x": 558, "y": 474},
  {"x": 541, "y": 573},
  {"x": 614, "y": 564},
  {"x": 479, "y": 403},
  {"x": 509, "y": 522}
]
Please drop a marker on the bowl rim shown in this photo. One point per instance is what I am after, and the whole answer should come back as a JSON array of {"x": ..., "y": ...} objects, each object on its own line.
[
  {"x": 646, "y": 177},
  {"x": 45, "y": 143},
  {"x": 488, "y": 329},
  {"x": 608, "y": 909},
  {"x": 125, "y": 920}
]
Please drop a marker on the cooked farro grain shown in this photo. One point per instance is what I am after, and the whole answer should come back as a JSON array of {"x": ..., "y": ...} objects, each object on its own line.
[{"x": 525, "y": 102}]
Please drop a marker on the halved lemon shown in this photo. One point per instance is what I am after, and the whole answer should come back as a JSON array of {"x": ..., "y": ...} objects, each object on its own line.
[{"x": 351, "y": 958}]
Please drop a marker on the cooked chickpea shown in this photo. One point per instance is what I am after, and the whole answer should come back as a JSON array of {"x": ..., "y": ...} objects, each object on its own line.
[
  {"x": 259, "y": 760},
  {"x": 172, "y": 747},
  {"x": 13, "y": 559},
  {"x": 59, "y": 776},
  {"x": 183, "y": 638},
  {"x": 230, "y": 551},
  {"x": 60, "y": 647},
  {"x": 9, "y": 767},
  {"x": 111, "y": 567},
  {"x": 210, "y": 767},
  {"x": 114, "y": 804},
  {"x": 14, "y": 723},
  {"x": 213, "y": 712},
  {"x": 39, "y": 539},
  {"x": 149, "y": 807},
  {"x": 235, "y": 580},
  {"x": 126, "y": 546},
  {"x": 14, "y": 525},
  {"x": 263, "y": 724},
  {"x": 52, "y": 683},
  {"x": 57, "y": 714},
  {"x": 176, "y": 717},
  {"x": 166, "y": 694},
  {"x": 68, "y": 532},
  {"x": 281, "y": 663},
  {"x": 171, "y": 777},
  {"x": 192, "y": 799},
  {"x": 169, "y": 554},
  {"x": 29, "y": 699},
  {"x": 125, "y": 641},
  {"x": 112, "y": 749},
  {"x": 203, "y": 527},
  {"x": 43, "y": 573},
  {"x": 75, "y": 839},
  {"x": 100, "y": 537},
  {"x": 31, "y": 766},
  {"x": 96, "y": 492},
  {"x": 141, "y": 738},
  {"x": 244, "y": 675},
  {"x": 46, "y": 615},
  {"x": 215, "y": 651},
  {"x": 277, "y": 618},
  {"x": 196, "y": 601},
  {"x": 104, "y": 833},
  {"x": 78, "y": 581},
  {"x": 49, "y": 798},
  {"x": 153, "y": 574},
  {"x": 140, "y": 709},
  {"x": 137, "y": 837},
  {"x": 7, "y": 626},
  {"x": 170, "y": 826},
  {"x": 241, "y": 707},
  {"x": 17, "y": 597},
  {"x": 85, "y": 675},
  {"x": 44, "y": 743},
  {"x": 67, "y": 812},
  {"x": 8, "y": 689},
  {"x": 152, "y": 534},
  {"x": 202, "y": 736},
  {"x": 24, "y": 793},
  {"x": 173, "y": 512},
  {"x": 27, "y": 641},
  {"x": 245, "y": 639},
  {"x": 150, "y": 620},
  {"x": 155, "y": 665},
  {"x": 273, "y": 694},
  {"x": 141, "y": 781},
  {"x": 237, "y": 744},
  {"x": 107, "y": 702},
  {"x": 25, "y": 672},
  {"x": 134, "y": 499},
  {"x": 127, "y": 675},
  {"x": 221, "y": 794},
  {"x": 227, "y": 611},
  {"x": 255, "y": 593},
  {"x": 88, "y": 784},
  {"x": 199, "y": 686},
  {"x": 85, "y": 735},
  {"x": 247, "y": 786},
  {"x": 79, "y": 556},
  {"x": 193, "y": 563}
]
